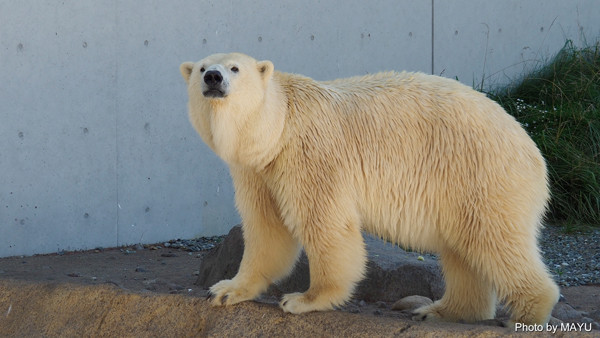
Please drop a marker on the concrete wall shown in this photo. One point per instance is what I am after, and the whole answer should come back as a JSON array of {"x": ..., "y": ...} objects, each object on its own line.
[
  {"x": 491, "y": 43},
  {"x": 95, "y": 145}
]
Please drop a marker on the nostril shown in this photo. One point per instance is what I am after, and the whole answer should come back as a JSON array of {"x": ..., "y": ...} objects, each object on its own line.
[{"x": 213, "y": 77}]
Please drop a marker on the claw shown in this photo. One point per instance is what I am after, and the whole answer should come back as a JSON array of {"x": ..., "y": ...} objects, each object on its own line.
[
  {"x": 224, "y": 299},
  {"x": 418, "y": 317},
  {"x": 210, "y": 296}
]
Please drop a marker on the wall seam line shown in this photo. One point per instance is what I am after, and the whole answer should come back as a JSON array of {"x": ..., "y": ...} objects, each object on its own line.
[
  {"x": 116, "y": 82},
  {"x": 432, "y": 36}
]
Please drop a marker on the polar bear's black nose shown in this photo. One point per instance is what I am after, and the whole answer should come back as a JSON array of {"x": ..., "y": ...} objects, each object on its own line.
[{"x": 213, "y": 78}]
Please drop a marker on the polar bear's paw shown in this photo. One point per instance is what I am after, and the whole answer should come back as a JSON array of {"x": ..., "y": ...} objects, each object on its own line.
[
  {"x": 229, "y": 292},
  {"x": 300, "y": 303},
  {"x": 432, "y": 313}
]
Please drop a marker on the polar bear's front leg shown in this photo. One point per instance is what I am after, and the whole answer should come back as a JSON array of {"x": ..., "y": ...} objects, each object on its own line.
[
  {"x": 269, "y": 255},
  {"x": 269, "y": 248},
  {"x": 337, "y": 259}
]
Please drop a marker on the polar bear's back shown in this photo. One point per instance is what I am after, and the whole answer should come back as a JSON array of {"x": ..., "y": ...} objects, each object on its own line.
[{"x": 426, "y": 158}]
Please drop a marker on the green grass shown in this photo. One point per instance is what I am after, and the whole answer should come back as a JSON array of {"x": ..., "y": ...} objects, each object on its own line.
[{"x": 559, "y": 106}]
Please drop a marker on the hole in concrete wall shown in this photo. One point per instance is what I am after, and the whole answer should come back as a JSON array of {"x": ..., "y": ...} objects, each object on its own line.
[
  {"x": 204, "y": 41},
  {"x": 146, "y": 43},
  {"x": 84, "y": 44},
  {"x": 20, "y": 47},
  {"x": 260, "y": 39}
]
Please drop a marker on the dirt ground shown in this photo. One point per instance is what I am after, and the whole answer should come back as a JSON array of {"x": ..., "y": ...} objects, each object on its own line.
[{"x": 144, "y": 292}]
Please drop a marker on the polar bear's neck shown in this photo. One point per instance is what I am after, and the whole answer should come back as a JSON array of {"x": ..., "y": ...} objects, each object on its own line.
[{"x": 252, "y": 141}]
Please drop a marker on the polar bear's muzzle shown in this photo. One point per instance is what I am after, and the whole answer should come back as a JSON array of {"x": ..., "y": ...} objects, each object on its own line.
[{"x": 214, "y": 85}]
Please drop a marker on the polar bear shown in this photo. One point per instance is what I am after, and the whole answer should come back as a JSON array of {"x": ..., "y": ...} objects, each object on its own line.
[{"x": 418, "y": 160}]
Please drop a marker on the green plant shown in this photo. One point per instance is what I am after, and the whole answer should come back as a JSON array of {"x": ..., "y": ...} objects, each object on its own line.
[{"x": 559, "y": 106}]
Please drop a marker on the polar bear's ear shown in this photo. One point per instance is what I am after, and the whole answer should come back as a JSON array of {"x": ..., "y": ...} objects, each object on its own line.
[
  {"x": 265, "y": 68},
  {"x": 186, "y": 70}
]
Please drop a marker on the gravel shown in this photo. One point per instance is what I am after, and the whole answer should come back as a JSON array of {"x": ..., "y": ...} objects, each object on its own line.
[
  {"x": 189, "y": 245},
  {"x": 572, "y": 259}
]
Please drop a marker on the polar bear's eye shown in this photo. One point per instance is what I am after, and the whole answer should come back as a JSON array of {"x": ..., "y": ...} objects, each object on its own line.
[
  {"x": 235, "y": 69},
  {"x": 202, "y": 70}
]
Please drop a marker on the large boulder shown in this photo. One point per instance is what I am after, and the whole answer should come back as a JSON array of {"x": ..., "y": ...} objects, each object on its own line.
[
  {"x": 223, "y": 261},
  {"x": 392, "y": 273}
]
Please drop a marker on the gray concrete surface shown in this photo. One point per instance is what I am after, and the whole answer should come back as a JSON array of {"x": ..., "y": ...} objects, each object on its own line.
[{"x": 95, "y": 145}]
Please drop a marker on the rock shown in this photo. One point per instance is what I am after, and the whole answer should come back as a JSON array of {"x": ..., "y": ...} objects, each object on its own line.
[
  {"x": 392, "y": 273},
  {"x": 411, "y": 303},
  {"x": 175, "y": 287},
  {"x": 567, "y": 313},
  {"x": 150, "y": 281},
  {"x": 554, "y": 321},
  {"x": 587, "y": 320},
  {"x": 223, "y": 261}
]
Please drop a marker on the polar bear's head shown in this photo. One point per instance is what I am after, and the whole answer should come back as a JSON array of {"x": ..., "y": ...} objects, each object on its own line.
[
  {"x": 233, "y": 104},
  {"x": 220, "y": 75}
]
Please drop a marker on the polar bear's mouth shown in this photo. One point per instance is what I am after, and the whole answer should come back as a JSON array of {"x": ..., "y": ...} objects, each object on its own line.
[{"x": 214, "y": 93}]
